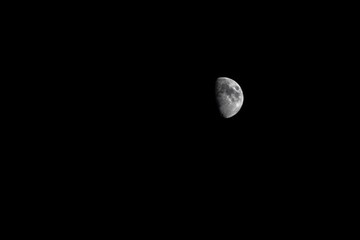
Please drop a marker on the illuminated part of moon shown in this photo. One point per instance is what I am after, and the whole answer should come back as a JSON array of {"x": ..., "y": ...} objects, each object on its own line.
[{"x": 228, "y": 107}]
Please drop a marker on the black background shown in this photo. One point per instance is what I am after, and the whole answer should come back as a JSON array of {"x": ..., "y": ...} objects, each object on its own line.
[
  {"x": 130, "y": 112},
  {"x": 148, "y": 82}
]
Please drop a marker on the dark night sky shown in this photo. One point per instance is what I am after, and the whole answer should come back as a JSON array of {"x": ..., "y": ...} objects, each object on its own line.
[
  {"x": 151, "y": 83},
  {"x": 130, "y": 116}
]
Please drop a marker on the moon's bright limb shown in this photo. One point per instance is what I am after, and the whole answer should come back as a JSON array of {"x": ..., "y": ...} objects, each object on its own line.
[{"x": 227, "y": 107}]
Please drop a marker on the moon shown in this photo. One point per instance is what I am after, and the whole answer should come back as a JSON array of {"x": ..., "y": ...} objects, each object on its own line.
[{"x": 228, "y": 107}]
